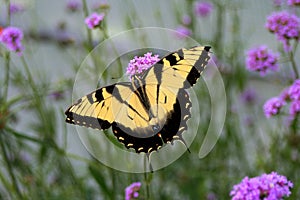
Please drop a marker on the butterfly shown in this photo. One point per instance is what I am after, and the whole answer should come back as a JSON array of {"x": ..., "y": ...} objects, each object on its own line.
[{"x": 152, "y": 109}]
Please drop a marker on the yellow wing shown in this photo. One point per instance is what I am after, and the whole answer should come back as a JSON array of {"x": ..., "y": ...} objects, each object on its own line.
[{"x": 180, "y": 69}]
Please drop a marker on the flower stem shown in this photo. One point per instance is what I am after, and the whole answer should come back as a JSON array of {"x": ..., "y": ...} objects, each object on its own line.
[
  {"x": 7, "y": 58},
  {"x": 6, "y": 80},
  {"x": 146, "y": 178},
  {"x": 106, "y": 36},
  {"x": 89, "y": 33},
  {"x": 292, "y": 59},
  {"x": 9, "y": 167}
]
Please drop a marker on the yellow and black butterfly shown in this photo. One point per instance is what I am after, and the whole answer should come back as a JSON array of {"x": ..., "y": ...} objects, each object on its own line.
[{"x": 150, "y": 110}]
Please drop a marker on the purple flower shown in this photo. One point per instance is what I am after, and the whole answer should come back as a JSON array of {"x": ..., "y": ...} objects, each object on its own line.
[
  {"x": 11, "y": 37},
  {"x": 261, "y": 59},
  {"x": 94, "y": 20},
  {"x": 57, "y": 95},
  {"x": 293, "y": 2},
  {"x": 294, "y": 90},
  {"x": 277, "y": 2},
  {"x": 131, "y": 192},
  {"x": 140, "y": 64},
  {"x": 249, "y": 95},
  {"x": 284, "y": 95},
  {"x": 273, "y": 106},
  {"x": 294, "y": 108},
  {"x": 203, "y": 9},
  {"x": 186, "y": 20},
  {"x": 285, "y": 26},
  {"x": 15, "y": 8},
  {"x": 73, "y": 5},
  {"x": 183, "y": 32},
  {"x": 267, "y": 186}
]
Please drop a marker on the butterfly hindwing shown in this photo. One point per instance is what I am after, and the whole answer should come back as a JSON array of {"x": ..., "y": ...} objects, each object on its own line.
[{"x": 171, "y": 125}]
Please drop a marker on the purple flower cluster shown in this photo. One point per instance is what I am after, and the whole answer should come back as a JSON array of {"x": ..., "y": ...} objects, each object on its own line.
[
  {"x": 203, "y": 9},
  {"x": 94, "y": 20},
  {"x": 291, "y": 94},
  {"x": 15, "y": 8},
  {"x": 273, "y": 106},
  {"x": 73, "y": 5},
  {"x": 294, "y": 96},
  {"x": 131, "y": 192},
  {"x": 11, "y": 37},
  {"x": 140, "y": 64},
  {"x": 267, "y": 186},
  {"x": 183, "y": 32},
  {"x": 186, "y": 20},
  {"x": 285, "y": 26},
  {"x": 294, "y": 108},
  {"x": 249, "y": 95},
  {"x": 293, "y": 2},
  {"x": 261, "y": 59},
  {"x": 277, "y": 2},
  {"x": 294, "y": 90}
]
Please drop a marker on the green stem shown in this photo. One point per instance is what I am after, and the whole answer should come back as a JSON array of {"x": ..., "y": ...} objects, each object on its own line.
[
  {"x": 5, "y": 183},
  {"x": 89, "y": 33},
  {"x": 8, "y": 166},
  {"x": 23, "y": 136},
  {"x": 106, "y": 36},
  {"x": 7, "y": 58},
  {"x": 292, "y": 59},
  {"x": 6, "y": 80},
  {"x": 38, "y": 101},
  {"x": 146, "y": 178}
]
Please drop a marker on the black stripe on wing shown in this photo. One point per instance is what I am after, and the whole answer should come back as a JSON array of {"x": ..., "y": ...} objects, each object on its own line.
[
  {"x": 172, "y": 130},
  {"x": 92, "y": 100},
  {"x": 198, "y": 68}
]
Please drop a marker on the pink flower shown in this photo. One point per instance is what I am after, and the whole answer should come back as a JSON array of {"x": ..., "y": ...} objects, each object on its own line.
[
  {"x": 183, "y": 32},
  {"x": 273, "y": 106},
  {"x": 284, "y": 95},
  {"x": 131, "y": 192},
  {"x": 261, "y": 59},
  {"x": 277, "y": 2},
  {"x": 203, "y": 9},
  {"x": 16, "y": 8},
  {"x": 294, "y": 90},
  {"x": 186, "y": 20},
  {"x": 285, "y": 26},
  {"x": 11, "y": 37},
  {"x": 139, "y": 64},
  {"x": 293, "y": 2},
  {"x": 73, "y": 5},
  {"x": 294, "y": 108},
  {"x": 94, "y": 20},
  {"x": 267, "y": 186}
]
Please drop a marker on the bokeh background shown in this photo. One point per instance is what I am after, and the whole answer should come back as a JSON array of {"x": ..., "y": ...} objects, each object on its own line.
[{"x": 43, "y": 158}]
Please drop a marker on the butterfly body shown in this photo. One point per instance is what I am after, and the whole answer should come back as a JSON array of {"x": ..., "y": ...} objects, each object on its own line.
[{"x": 149, "y": 111}]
